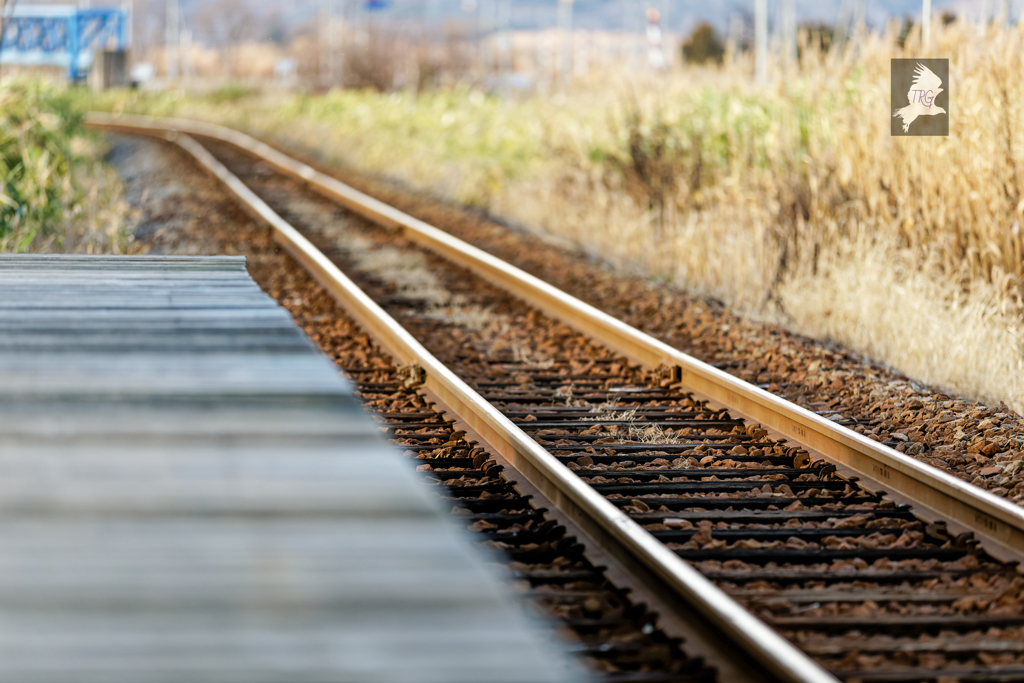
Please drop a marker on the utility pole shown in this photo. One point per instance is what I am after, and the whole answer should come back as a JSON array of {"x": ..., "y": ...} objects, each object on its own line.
[
  {"x": 735, "y": 36},
  {"x": 128, "y": 7},
  {"x": 842, "y": 26},
  {"x": 667, "y": 47},
  {"x": 655, "y": 52},
  {"x": 338, "y": 43},
  {"x": 504, "y": 38},
  {"x": 171, "y": 37},
  {"x": 328, "y": 39},
  {"x": 321, "y": 39},
  {"x": 469, "y": 8},
  {"x": 565, "y": 41},
  {"x": 673, "y": 48},
  {"x": 544, "y": 52},
  {"x": 6, "y": 11},
  {"x": 334, "y": 35},
  {"x": 761, "y": 40},
  {"x": 631, "y": 30},
  {"x": 860, "y": 15},
  {"x": 582, "y": 55},
  {"x": 789, "y": 46},
  {"x": 485, "y": 14},
  {"x": 926, "y": 24},
  {"x": 188, "y": 69},
  {"x": 860, "y": 30},
  {"x": 626, "y": 46},
  {"x": 324, "y": 42}
]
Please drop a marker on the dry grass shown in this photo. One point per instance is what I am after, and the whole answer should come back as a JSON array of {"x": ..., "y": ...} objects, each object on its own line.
[
  {"x": 101, "y": 221},
  {"x": 790, "y": 202},
  {"x": 802, "y": 209},
  {"x": 55, "y": 193},
  {"x": 651, "y": 434}
]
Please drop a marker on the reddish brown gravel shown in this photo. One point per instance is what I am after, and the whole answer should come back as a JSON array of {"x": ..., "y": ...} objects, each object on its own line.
[
  {"x": 979, "y": 444},
  {"x": 187, "y": 214}
]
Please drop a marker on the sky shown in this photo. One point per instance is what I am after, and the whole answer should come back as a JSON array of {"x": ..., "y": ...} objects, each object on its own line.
[{"x": 680, "y": 16}]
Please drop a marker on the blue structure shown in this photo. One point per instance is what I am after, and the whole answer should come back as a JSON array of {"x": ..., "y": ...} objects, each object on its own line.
[{"x": 61, "y": 35}]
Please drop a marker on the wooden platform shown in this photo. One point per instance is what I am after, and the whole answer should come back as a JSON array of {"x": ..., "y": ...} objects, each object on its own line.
[{"x": 189, "y": 492}]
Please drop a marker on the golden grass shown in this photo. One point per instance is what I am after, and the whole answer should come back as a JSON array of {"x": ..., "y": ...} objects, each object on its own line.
[
  {"x": 790, "y": 202},
  {"x": 906, "y": 249}
]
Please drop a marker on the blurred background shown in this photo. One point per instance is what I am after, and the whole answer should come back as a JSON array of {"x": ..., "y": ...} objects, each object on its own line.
[
  {"x": 521, "y": 44},
  {"x": 740, "y": 150}
]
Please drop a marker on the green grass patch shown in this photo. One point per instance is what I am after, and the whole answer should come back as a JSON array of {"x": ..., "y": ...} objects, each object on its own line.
[{"x": 37, "y": 126}]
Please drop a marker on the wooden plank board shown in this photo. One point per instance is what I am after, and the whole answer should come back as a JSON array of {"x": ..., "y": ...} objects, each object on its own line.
[
  {"x": 161, "y": 263},
  {"x": 190, "y": 491}
]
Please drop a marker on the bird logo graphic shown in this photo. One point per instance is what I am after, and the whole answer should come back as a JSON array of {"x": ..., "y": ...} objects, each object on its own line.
[{"x": 921, "y": 97}]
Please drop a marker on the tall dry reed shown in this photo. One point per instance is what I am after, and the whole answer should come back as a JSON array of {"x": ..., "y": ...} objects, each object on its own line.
[{"x": 793, "y": 202}]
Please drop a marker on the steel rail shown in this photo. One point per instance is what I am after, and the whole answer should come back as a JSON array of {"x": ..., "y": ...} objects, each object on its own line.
[
  {"x": 998, "y": 523},
  {"x": 619, "y": 534}
]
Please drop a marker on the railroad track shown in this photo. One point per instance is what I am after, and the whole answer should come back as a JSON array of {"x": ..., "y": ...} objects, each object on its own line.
[{"x": 719, "y": 499}]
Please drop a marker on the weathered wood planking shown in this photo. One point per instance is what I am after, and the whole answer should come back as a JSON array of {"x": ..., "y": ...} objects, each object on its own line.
[{"x": 190, "y": 492}]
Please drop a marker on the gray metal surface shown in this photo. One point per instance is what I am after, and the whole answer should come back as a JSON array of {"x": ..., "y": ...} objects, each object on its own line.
[{"x": 189, "y": 491}]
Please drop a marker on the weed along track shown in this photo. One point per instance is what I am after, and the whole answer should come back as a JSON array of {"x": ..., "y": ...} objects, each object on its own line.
[{"x": 873, "y": 569}]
